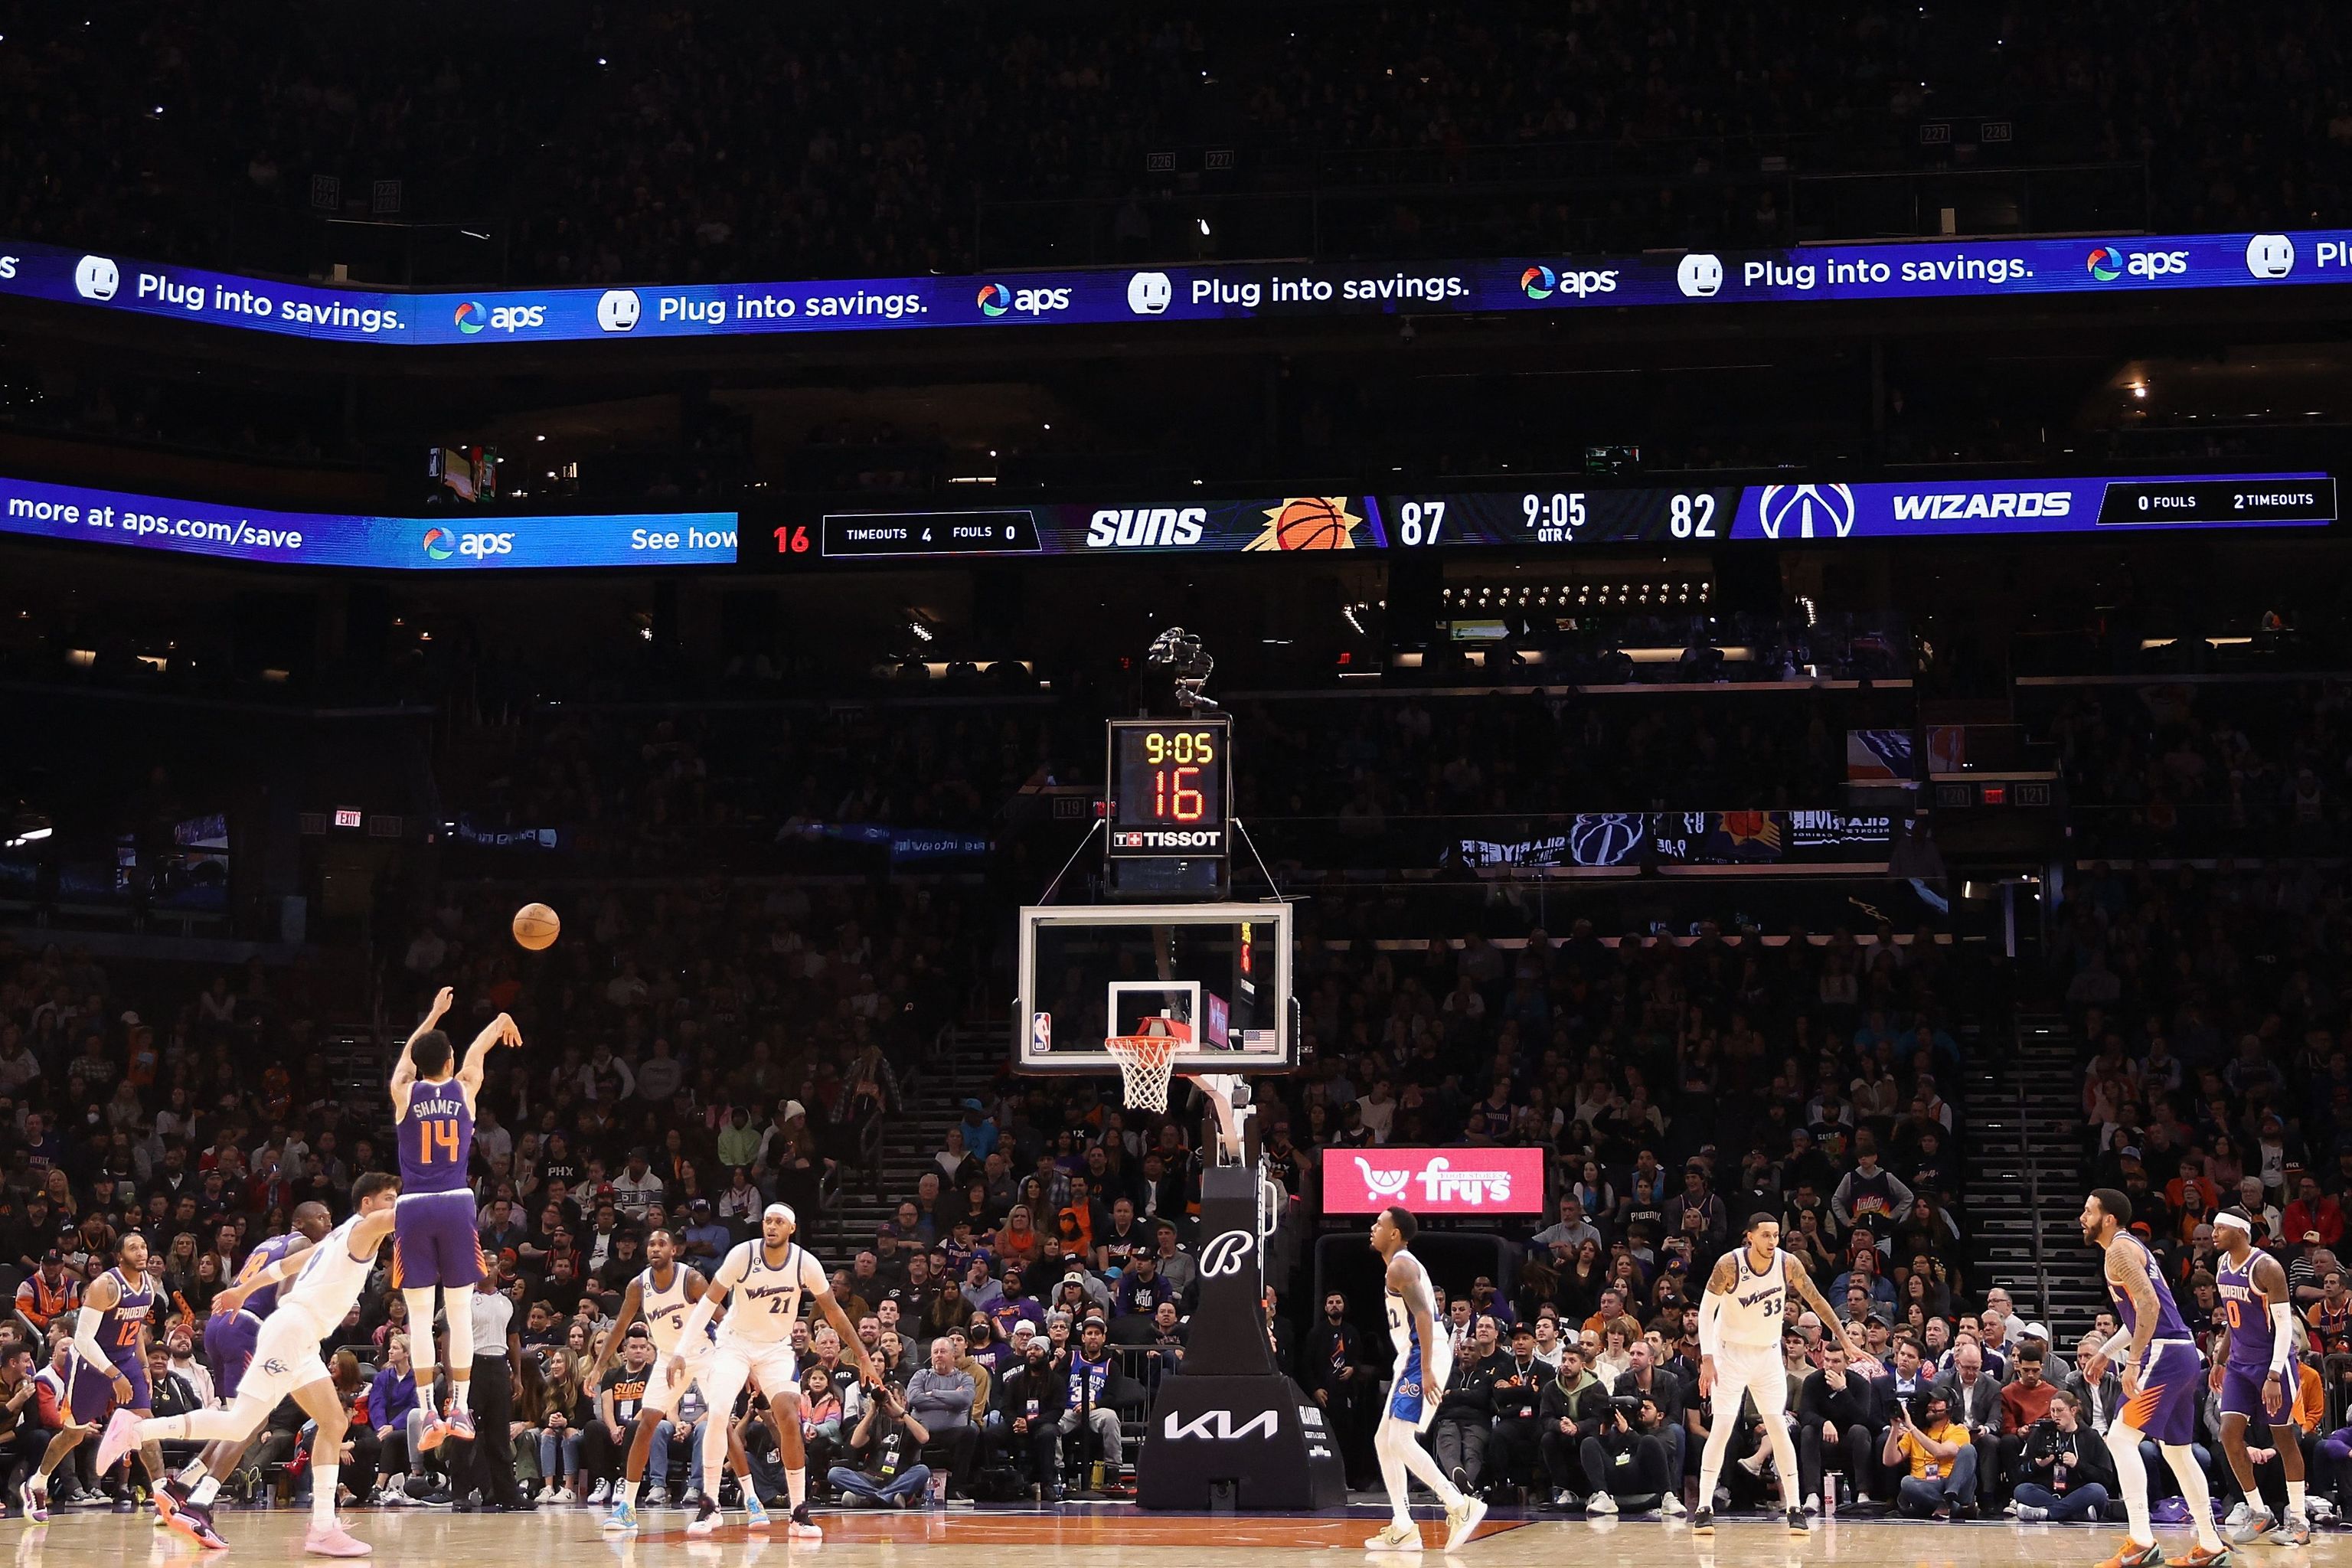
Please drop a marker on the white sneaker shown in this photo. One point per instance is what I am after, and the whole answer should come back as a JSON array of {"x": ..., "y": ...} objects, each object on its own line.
[
  {"x": 546, "y": 1493},
  {"x": 1671, "y": 1506},
  {"x": 1462, "y": 1520},
  {"x": 655, "y": 1497},
  {"x": 1813, "y": 1503},
  {"x": 601, "y": 1495},
  {"x": 1599, "y": 1503},
  {"x": 1395, "y": 1537},
  {"x": 1754, "y": 1463},
  {"x": 565, "y": 1494},
  {"x": 2247, "y": 1525}
]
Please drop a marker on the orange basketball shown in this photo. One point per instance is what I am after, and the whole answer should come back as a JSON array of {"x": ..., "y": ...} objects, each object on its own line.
[
  {"x": 536, "y": 927},
  {"x": 1312, "y": 522}
]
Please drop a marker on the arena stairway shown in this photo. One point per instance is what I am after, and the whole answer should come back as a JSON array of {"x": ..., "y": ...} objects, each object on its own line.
[
  {"x": 2023, "y": 1184},
  {"x": 963, "y": 1061}
]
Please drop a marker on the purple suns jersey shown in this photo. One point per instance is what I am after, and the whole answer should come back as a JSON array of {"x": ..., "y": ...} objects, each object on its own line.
[
  {"x": 436, "y": 1139},
  {"x": 2253, "y": 1336},
  {"x": 118, "y": 1336},
  {"x": 272, "y": 1251},
  {"x": 2169, "y": 1325}
]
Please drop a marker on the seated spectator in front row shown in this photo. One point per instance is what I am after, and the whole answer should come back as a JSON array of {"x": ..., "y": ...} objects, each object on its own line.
[
  {"x": 888, "y": 1438},
  {"x": 2066, "y": 1469},
  {"x": 1835, "y": 1418},
  {"x": 940, "y": 1401},
  {"x": 1942, "y": 1483}
]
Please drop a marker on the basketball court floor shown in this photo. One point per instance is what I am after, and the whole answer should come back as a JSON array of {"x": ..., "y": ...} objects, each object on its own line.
[{"x": 1092, "y": 1538}]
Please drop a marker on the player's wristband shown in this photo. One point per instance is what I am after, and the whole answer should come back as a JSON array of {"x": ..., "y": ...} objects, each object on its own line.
[{"x": 2281, "y": 1339}]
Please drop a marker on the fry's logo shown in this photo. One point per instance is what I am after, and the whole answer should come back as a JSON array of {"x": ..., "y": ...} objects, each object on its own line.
[{"x": 1500, "y": 1181}]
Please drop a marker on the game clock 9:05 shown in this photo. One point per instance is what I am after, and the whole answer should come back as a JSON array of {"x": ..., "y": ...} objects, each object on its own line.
[{"x": 1180, "y": 746}]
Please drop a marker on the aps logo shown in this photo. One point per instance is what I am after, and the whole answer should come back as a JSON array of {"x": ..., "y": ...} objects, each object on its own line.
[
  {"x": 996, "y": 299},
  {"x": 2107, "y": 264},
  {"x": 440, "y": 544},
  {"x": 1541, "y": 282},
  {"x": 473, "y": 316}
]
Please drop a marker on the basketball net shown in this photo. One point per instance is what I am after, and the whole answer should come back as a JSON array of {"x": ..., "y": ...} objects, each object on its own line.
[{"x": 1147, "y": 1062}]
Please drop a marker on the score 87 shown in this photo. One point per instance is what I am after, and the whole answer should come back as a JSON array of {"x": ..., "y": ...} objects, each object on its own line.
[{"x": 1418, "y": 521}]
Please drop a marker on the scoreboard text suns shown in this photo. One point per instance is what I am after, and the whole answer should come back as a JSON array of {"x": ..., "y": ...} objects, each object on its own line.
[{"x": 1169, "y": 786}]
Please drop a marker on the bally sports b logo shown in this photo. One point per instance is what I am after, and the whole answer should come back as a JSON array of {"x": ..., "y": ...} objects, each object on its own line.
[{"x": 1226, "y": 1253}]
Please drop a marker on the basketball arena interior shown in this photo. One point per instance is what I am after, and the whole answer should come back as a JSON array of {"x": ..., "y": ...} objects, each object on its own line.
[{"x": 1255, "y": 784}]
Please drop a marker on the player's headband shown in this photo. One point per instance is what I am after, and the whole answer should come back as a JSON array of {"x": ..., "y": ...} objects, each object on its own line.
[
  {"x": 780, "y": 1211},
  {"x": 2233, "y": 1222}
]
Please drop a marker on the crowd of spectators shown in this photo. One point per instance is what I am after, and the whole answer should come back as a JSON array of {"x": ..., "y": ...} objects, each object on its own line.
[
  {"x": 697, "y": 1048},
  {"x": 1322, "y": 783},
  {"x": 684, "y": 145},
  {"x": 2209, "y": 1005},
  {"x": 2199, "y": 770}
]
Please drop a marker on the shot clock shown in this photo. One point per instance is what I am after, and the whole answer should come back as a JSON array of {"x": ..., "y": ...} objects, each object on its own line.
[{"x": 1170, "y": 787}]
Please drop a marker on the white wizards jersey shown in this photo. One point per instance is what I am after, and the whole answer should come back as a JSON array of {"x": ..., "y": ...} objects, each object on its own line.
[
  {"x": 1753, "y": 1311},
  {"x": 1436, "y": 1361},
  {"x": 764, "y": 1302},
  {"x": 331, "y": 1278},
  {"x": 664, "y": 1312}
]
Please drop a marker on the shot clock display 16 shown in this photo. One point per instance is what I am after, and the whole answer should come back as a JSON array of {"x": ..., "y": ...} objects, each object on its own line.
[{"x": 1169, "y": 786}]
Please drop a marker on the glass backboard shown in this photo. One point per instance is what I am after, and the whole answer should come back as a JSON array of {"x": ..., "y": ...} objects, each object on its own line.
[{"x": 1091, "y": 971}]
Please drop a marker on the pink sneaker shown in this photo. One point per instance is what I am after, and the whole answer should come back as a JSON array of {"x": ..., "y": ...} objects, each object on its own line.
[
  {"x": 436, "y": 1433},
  {"x": 334, "y": 1540},
  {"x": 461, "y": 1425},
  {"x": 120, "y": 1437}
]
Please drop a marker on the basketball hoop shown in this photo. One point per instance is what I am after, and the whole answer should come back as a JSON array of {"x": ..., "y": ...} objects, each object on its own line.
[{"x": 1146, "y": 1063}]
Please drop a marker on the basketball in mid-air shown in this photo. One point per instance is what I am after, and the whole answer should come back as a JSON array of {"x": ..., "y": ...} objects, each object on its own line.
[{"x": 536, "y": 927}]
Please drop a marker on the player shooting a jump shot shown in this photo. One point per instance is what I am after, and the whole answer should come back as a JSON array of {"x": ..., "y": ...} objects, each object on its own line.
[{"x": 435, "y": 1243}]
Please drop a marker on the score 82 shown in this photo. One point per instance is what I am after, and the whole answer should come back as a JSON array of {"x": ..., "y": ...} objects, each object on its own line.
[
  {"x": 1418, "y": 521},
  {"x": 1691, "y": 516}
]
